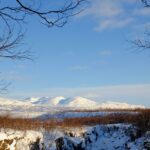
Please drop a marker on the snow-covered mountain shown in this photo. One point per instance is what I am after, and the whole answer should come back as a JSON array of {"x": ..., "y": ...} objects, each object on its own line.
[
  {"x": 80, "y": 102},
  {"x": 55, "y": 101},
  {"x": 118, "y": 105},
  {"x": 40, "y": 100},
  {"x": 63, "y": 102},
  {"x": 76, "y": 102},
  {"x": 46, "y": 107},
  {"x": 32, "y": 99},
  {"x": 8, "y": 101}
]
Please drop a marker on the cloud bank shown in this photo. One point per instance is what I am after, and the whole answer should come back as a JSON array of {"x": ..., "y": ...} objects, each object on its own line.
[{"x": 114, "y": 14}]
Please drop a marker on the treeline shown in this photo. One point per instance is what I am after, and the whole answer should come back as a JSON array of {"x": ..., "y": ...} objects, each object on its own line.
[{"x": 140, "y": 118}]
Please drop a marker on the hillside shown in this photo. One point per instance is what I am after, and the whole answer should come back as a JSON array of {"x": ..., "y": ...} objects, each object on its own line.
[{"x": 80, "y": 102}]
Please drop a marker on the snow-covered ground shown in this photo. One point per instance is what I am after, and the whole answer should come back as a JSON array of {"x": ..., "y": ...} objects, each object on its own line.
[{"x": 100, "y": 137}]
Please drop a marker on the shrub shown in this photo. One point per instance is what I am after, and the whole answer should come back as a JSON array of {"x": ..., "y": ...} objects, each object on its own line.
[
  {"x": 140, "y": 118},
  {"x": 143, "y": 120}
]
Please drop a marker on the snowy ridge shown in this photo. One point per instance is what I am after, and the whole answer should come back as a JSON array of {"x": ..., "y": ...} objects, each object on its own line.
[
  {"x": 57, "y": 100},
  {"x": 32, "y": 99},
  {"x": 116, "y": 105},
  {"x": 60, "y": 101},
  {"x": 6, "y": 101},
  {"x": 80, "y": 102}
]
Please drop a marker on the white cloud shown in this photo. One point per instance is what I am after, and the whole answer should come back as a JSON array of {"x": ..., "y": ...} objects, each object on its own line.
[
  {"x": 111, "y": 24},
  {"x": 114, "y": 14},
  {"x": 104, "y": 8}
]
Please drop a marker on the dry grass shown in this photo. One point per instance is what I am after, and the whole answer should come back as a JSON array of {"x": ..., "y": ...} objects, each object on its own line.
[{"x": 140, "y": 119}]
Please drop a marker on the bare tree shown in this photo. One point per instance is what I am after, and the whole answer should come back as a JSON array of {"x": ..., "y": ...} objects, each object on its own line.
[
  {"x": 144, "y": 42},
  {"x": 146, "y": 3},
  {"x": 14, "y": 15}
]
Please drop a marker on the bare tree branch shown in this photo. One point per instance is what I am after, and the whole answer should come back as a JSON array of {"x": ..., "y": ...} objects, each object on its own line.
[
  {"x": 50, "y": 17},
  {"x": 146, "y": 3},
  {"x": 9, "y": 47},
  {"x": 13, "y": 15},
  {"x": 143, "y": 43},
  {"x": 4, "y": 86}
]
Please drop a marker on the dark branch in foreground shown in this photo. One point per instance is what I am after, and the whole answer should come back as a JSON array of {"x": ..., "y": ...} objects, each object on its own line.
[
  {"x": 146, "y": 3},
  {"x": 14, "y": 16}
]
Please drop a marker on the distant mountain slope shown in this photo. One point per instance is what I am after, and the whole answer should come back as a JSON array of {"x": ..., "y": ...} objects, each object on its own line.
[
  {"x": 56, "y": 107},
  {"x": 60, "y": 101},
  {"x": 118, "y": 105},
  {"x": 7, "y": 101},
  {"x": 57, "y": 100},
  {"x": 65, "y": 102},
  {"x": 80, "y": 102},
  {"x": 45, "y": 100},
  {"x": 32, "y": 99}
]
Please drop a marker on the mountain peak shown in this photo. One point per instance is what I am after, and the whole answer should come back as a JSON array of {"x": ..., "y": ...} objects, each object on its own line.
[
  {"x": 56, "y": 100},
  {"x": 81, "y": 102}
]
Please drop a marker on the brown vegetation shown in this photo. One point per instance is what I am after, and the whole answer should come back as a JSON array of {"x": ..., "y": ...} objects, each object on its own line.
[{"x": 141, "y": 119}]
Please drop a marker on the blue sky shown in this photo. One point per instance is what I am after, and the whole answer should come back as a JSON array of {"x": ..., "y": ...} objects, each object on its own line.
[{"x": 90, "y": 56}]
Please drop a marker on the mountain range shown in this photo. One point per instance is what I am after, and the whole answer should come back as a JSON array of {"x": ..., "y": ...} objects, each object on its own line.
[{"x": 61, "y": 101}]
